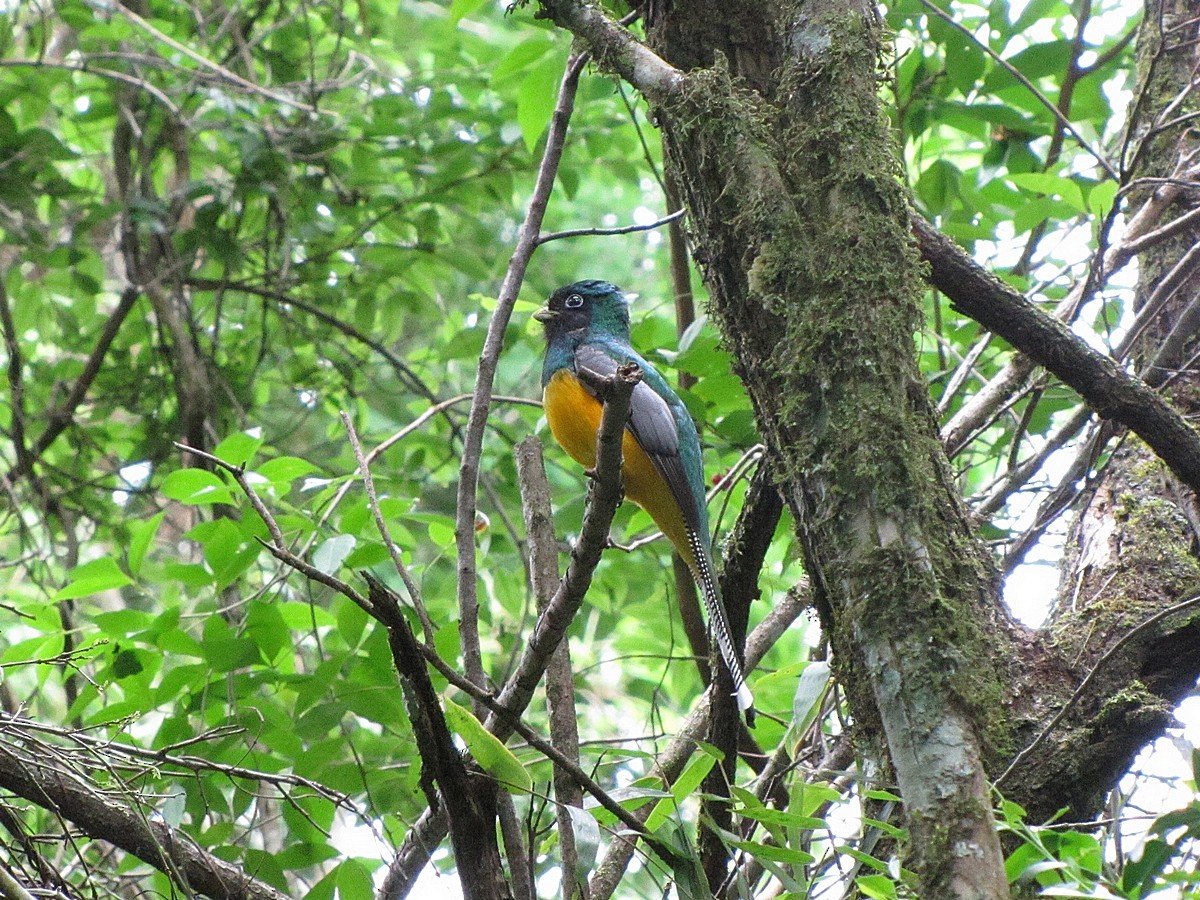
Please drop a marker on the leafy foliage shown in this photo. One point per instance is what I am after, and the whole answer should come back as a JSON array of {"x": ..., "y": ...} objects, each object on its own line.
[{"x": 225, "y": 225}]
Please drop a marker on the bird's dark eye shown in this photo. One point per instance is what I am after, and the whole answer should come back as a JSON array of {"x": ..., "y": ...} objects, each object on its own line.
[{"x": 573, "y": 302}]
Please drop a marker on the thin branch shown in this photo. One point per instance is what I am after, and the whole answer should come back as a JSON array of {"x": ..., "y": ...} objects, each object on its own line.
[
  {"x": 85, "y": 68},
  {"x": 1164, "y": 291},
  {"x": 20, "y": 726},
  {"x": 364, "y": 470},
  {"x": 225, "y": 74},
  {"x": 470, "y": 804},
  {"x": 405, "y": 372},
  {"x": 16, "y": 380},
  {"x": 513, "y": 723},
  {"x": 599, "y": 232},
  {"x": 996, "y": 494},
  {"x": 1158, "y": 235},
  {"x": 974, "y": 414},
  {"x": 1071, "y": 484},
  {"x": 386, "y": 444},
  {"x": 468, "y": 474},
  {"x": 964, "y": 370},
  {"x": 61, "y": 416}
]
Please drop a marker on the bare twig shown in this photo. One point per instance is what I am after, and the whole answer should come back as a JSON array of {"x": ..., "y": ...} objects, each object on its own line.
[
  {"x": 965, "y": 368},
  {"x": 38, "y": 779},
  {"x": 596, "y": 232},
  {"x": 1045, "y": 340},
  {"x": 997, "y": 493},
  {"x": 414, "y": 592},
  {"x": 226, "y": 74},
  {"x": 166, "y": 756},
  {"x": 468, "y": 474}
]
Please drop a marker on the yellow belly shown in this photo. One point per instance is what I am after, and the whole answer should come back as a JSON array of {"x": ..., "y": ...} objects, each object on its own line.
[{"x": 574, "y": 418}]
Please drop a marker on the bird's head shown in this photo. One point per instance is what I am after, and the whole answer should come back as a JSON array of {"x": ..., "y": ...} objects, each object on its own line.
[{"x": 595, "y": 306}]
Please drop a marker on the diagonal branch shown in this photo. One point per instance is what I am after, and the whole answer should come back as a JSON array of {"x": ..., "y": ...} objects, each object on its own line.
[
  {"x": 62, "y": 415},
  {"x": 39, "y": 780},
  {"x": 470, "y": 800},
  {"x": 593, "y": 536},
  {"x": 615, "y": 48},
  {"x": 1107, "y": 388}
]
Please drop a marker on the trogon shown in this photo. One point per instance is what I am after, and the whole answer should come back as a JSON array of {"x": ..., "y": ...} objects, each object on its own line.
[{"x": 587, "y": 328}]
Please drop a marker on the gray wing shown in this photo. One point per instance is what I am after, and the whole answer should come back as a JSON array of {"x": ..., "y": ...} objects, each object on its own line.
[{"x": 653, "y": 426}]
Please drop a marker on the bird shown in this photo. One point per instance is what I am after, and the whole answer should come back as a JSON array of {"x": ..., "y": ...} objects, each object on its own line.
[{"x": 587, "y": 328}]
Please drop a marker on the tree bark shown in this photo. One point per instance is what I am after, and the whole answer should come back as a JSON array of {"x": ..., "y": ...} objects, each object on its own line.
[
  {"x": 1132, "y": 546},
  {"x": 814, "y": 284}
]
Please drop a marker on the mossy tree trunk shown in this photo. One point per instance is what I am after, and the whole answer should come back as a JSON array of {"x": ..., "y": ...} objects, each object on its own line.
[{"x": 801, "y": 229}]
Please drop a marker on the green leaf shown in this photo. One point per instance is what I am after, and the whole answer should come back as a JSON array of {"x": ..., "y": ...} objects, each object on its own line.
[
  {"x": 1100, "y": 199},
  {"x": 126, "y": 663},
  {"x": 521, "y": 57},
  {"x": 196, "y": 487},
  {"x": 785, "y": 855},
  {"x": 92, "y": 578},
  {"x": 1053, "y": 185},
  {"x": 141, "y": 535},
  {"x": 354, "y": 881},
  {"x": 681, "y": 856},
  {"x": 685, "y": 785},
  {"x": 586, "y": 831},
  {"x": 237, "y": 449},
  {"x": 495, "y": 759},
  {"x": 810, "y": 691},
  {"x": 878, "y": 887},
  {"x": 285, "y": 469},
  {"x": 460, "y": 9},
  {"x": 329, "y": 555},
  {"x": 536, "y": 97},
  {"x": 266, "y": 627}
]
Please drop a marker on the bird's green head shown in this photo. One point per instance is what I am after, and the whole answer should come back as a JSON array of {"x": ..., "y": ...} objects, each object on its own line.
[{"x": 594, "y": 307}]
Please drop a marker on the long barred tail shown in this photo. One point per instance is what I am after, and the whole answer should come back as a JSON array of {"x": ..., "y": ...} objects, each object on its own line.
[{"x": 718, "y": 621}]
